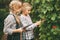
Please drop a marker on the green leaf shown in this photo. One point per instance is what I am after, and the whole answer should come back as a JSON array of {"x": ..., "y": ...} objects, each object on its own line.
[
  {"x": 49, "y": 8},
  {"x": 48, "y": 34},
  {"x": 55, "y": 33},
  {"x": 43, "y": 1},
  {"x": 44, "y": 11},
  {"x": 49, "y": 0},
  {"x": 49, "y": 38},
  {"x": 26, "y": 0},
  {"x": 57, "y": 7},
  {"x": 36, "y": 1},
  {"x": 39, "y": 34},
  {"x": 42, "y": 16},
  {"x": 52, "y": 30},
  {"x": 54, "y": 16},
  {"x": 58, "y": 17}
]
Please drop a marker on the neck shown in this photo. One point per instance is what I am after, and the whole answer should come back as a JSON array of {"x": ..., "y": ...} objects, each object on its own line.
[{"x": 24, "y": 14}]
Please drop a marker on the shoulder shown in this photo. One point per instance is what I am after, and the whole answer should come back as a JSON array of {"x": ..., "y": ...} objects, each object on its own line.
[
  {"x": 9, "y": 17},
  {"x": 22, "y": 16}
]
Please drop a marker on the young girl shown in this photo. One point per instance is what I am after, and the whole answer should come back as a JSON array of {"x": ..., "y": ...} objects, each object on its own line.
[
  {"x": 12, "y": 23},
  {"x": 27, "y": 22}
]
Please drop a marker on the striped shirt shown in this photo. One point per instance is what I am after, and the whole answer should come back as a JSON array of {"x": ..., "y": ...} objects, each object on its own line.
[{"x": 26, "y": 20}]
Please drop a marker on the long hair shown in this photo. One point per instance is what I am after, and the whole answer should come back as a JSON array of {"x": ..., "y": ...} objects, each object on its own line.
[{"x": 15, "y": 3}]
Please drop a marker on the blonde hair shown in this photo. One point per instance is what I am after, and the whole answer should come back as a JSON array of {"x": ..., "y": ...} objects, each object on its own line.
[
  {"x": 16, "y": 3},
  {"x": 26, "y": 6}
]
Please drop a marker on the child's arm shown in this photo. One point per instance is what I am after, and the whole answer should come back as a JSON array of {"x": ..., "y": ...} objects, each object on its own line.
[
  {"x": 25, "y": 24},
  {"x": 34, "y": 25},
  {"x": 8, "y": 23}
]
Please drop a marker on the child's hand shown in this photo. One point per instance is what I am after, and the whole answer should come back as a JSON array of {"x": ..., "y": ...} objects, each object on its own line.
[
  {"x": 38, "y": 23},
  {"x": 42, "y": 20},
  {"x": 20, "y": 30}
]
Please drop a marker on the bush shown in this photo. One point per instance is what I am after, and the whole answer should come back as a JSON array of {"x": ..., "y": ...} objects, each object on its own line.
[
  {"x": 3, "y": 14},
  {"x": 49, "y": 10},
  {"x": 42, "y": 9}
]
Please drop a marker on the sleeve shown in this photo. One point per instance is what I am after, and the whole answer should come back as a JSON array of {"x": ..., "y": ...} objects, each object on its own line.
[
  {"x": 31, "y": 27},
  {"x": 7, "y": 23},
  {"x": 25, "y": 23}
]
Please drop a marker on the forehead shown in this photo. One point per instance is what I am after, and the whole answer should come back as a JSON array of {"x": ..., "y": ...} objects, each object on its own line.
[{"x": 28, "y": 8}]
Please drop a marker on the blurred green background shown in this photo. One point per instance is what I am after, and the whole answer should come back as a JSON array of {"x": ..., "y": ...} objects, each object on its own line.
[{"x": 42, "y": 9}]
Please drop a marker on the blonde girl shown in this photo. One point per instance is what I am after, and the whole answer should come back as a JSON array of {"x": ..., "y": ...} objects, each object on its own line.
[{"x": 12, "y": 22}]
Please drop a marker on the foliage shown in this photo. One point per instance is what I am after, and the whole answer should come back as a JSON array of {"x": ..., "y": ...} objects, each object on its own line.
[
  {"x": 3, "y": 14},
  {"x": 49, "y": 10},
  {"x": 43, "y": 9}
]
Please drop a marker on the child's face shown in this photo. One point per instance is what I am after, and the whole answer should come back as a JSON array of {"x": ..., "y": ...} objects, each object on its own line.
[{"x": 27, "y": 10}]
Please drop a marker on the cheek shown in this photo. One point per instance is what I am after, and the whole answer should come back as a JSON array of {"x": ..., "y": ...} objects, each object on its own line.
[
  {"x": 29, "y": 11},
  {"x": 25, "y": 11}
]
